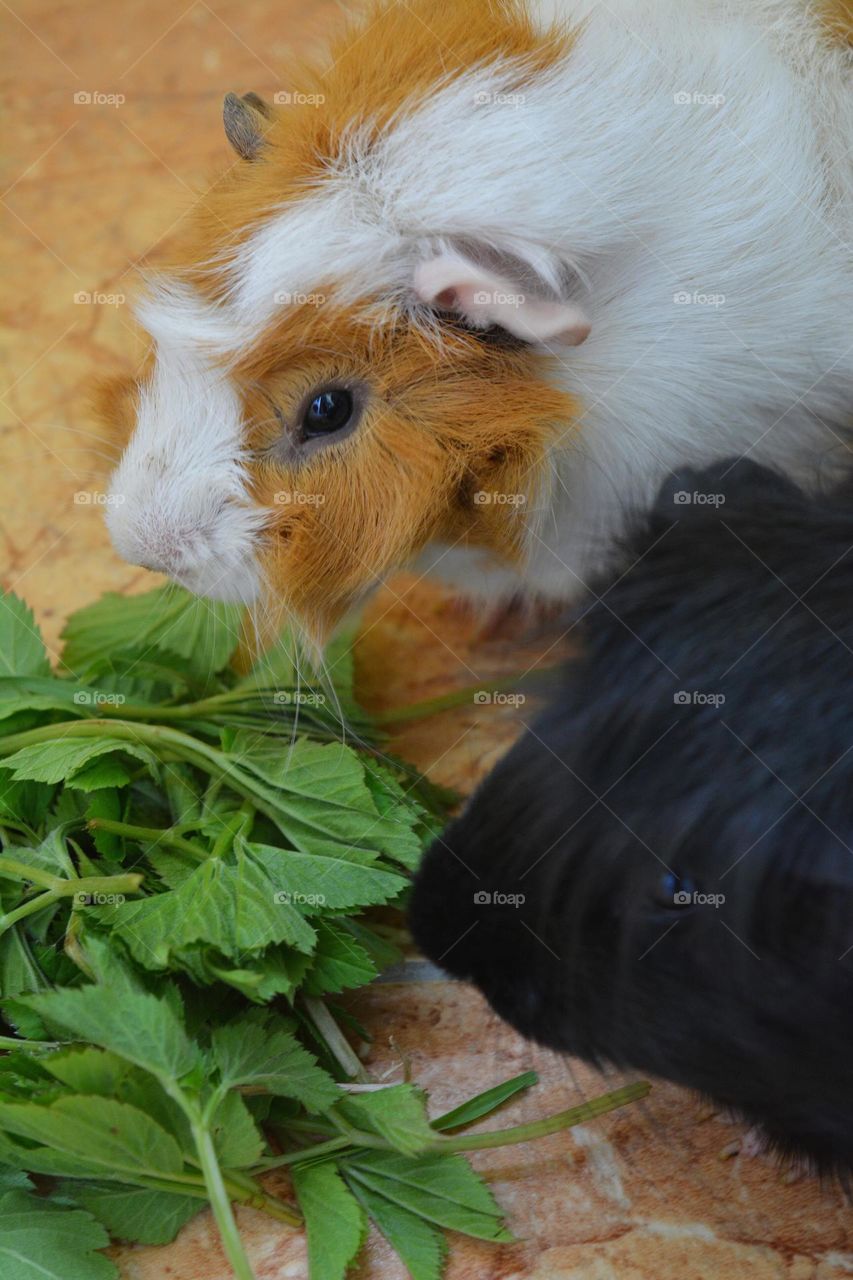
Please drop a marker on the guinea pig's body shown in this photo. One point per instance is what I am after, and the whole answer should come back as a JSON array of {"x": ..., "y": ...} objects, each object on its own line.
[
  {"x": 533, "y": 256},
  {"x": 660, "y": 873}
]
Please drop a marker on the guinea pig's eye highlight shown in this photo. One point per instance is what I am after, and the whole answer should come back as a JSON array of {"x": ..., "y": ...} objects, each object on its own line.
[
  {"x": 675, "y": 892},
  {"x": 328, "y": 412}
]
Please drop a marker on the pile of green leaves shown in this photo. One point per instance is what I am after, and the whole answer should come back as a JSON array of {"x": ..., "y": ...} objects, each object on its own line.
[{"x": 194, "y": 867}]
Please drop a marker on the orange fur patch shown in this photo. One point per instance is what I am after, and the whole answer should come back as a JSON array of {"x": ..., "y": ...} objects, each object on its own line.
[
  {"x": 439, "y": 429},
  {"x": 838, "y": 16},
  {"x": 383, "y": 60}
]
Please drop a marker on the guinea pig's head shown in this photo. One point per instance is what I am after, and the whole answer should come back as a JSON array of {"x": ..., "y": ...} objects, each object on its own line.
[{"x": 351, "y": 348}]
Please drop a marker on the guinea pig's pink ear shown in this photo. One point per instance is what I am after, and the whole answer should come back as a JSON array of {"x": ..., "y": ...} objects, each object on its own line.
[
  {"x": 450, "y": 282},
  {"x": 245, "y": 121}
]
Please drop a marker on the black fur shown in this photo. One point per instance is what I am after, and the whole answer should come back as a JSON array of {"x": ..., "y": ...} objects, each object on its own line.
[{"x": 621, "y": 795}]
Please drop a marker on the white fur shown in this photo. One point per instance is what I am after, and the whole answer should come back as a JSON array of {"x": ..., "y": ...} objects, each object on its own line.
[
  {"x": 179, "y": 501},
  {"x": 615, "y": 193}
]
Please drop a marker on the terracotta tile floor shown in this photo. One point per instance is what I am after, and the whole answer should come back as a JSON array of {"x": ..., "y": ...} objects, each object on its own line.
[{"x": 90, "y": 189}]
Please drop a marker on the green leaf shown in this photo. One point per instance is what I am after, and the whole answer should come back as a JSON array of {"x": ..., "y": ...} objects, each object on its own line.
[
  {"x": 85, "y": 1069},
  {"x": 41, "y": 1240},
  {"x": 335, "y": 1222},
  {"x": 398, "y": 1114},
  {"x": 109, "y": 772},
  {"x": 340, "y": 963},
  {"x": 137, "y": 1026},
  {"x": 321, "y": 882},
  {"x": 248, "y": 1052},
  {"x": 60, "y": 759},
  {"x": 421, "y": 1246},
  {"x": 89, "y": 1136},
  {"x": 231, "y": 907},
  {"x": 134, "y": 1213},
  {"x": 320, "y": 796},
  {"x": 444, "y": 1190},
  {"x": 485, "y": 1103},
  {"x": 19, "y": 971},
  {"x": 168, "y": 620},
  {"x": 236, "y": 1138},
  {"x": 22, "y": 651},
  {"x": 36, "y": 693}
]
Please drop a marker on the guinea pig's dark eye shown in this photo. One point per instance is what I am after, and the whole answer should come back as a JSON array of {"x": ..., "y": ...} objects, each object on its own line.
[
  {"x": 675, "y": 892},
  {"x": 328, "y": 412}
]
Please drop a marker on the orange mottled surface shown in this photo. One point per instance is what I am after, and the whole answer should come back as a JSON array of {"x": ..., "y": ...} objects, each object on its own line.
[{"x": 92, "y": 186}]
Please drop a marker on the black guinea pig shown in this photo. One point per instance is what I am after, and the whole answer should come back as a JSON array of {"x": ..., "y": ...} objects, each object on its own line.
[{"x": 659, "y": 874}]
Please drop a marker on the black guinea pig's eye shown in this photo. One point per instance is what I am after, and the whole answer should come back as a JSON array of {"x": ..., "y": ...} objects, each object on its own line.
[
  {"x": 328, "y": 412},
  {"x": 675, "y": 892}
]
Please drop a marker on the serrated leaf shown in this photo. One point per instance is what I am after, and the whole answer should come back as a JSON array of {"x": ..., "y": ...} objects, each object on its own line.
[
  {"x": 22, "y": 651},
  {"x": 204, "y": 633},
  {"x": 236, "y": 1137},
  {"x": 41, "y": 1240},
  {"x": 340, "y": 962},
  {"x": 248, "y": 1053},
  {"x": 322, "y": 882},
  {"x": 36, "y": 693},
  {"x": 230, "y": 907},
  {"x": 320, "y": 796},
  {"x": 61, "y": 759},
  {"x": 398, "y": 1114},
  {"x": 334, "y": 1220},
  {"x": 134, "y": 1213},
  {"x": 420, "y": 1245},
  {"x": 444, "y": 1190},
  {"x": 132, "y": 1023},
  {"x": 89, "y": 1136}
]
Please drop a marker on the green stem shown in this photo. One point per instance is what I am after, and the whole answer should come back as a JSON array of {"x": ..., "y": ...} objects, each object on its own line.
[
  {"x": 306, "y": 1153},
  {"x": 151, "y": 835},
  {"x": 34, "y": 1046},
  {"x": 334, "y": 1039},
  {"x": 29, "y": 908},
  {"x": 160, "y": 738},
  {"x": 551, "y": 1124},
  {"x": 239, "y": 823},
  {"x": 23, "y": 871},
  {"x": 221, "y": 1205}
]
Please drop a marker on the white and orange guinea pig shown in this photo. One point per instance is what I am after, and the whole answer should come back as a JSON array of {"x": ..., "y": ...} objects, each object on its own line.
[{"x": 478, "y": 282}]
